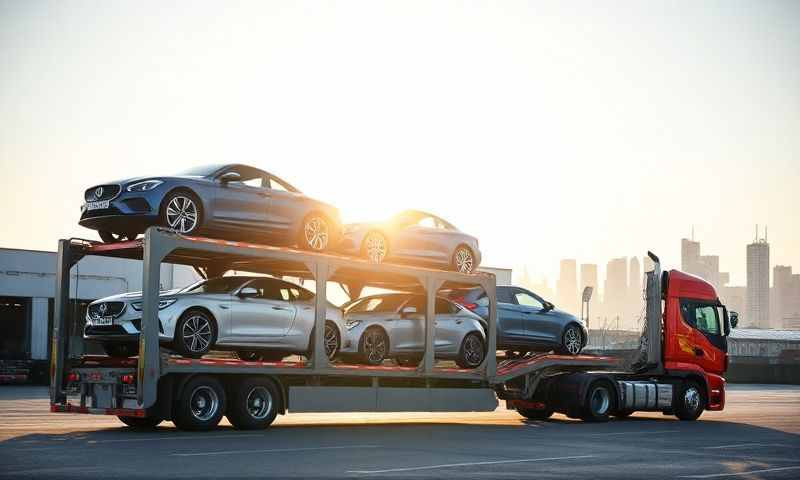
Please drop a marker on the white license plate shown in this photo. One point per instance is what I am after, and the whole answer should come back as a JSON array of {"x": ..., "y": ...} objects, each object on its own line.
[
  {"x": 97, "y": 205},
  {"x": 103, "y": 320}
]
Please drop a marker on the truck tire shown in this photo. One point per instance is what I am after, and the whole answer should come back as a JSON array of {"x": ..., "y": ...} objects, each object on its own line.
[
  {"x": 599, "y": 403},
  {"x": 200, "y": 405},
  {"x": 140, "y": 422},
  {"x": 691, "y": 401},
  {"x": 254, "y": 404},
  {"x": 535, "y": 413}
]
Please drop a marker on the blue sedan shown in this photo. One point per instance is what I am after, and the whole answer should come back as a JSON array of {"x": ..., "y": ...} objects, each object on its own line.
[
  {"x": 235, "y": 202},
  {"x": 525, "y": 321}
]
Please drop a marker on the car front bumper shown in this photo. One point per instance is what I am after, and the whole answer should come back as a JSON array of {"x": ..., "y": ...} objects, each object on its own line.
[{"x": 127, "y": 212}]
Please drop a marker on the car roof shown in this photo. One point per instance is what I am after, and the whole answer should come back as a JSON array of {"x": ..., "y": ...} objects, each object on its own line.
[
  {"x": 225, "y": 166},
  {"x": 422, "y": 214}
]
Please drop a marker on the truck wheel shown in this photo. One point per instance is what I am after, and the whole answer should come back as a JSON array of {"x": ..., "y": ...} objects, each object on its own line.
[
  {"x": 535, "y": 413},
  {"x": 254, "y": 404},
  {"x": 691, "y": 401},
  {"x": 123, "y": 350},
  {"x": 140, "y": 422},
  {"x": 195, "y": 333},
  {"x": 599, "y": 402},
  {"x": 200, "y": 405}
]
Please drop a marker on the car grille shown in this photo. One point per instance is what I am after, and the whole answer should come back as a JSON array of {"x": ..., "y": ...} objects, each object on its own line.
[
  {"x": 101, "y": 192},
  {"x": 106, "y": 309}
]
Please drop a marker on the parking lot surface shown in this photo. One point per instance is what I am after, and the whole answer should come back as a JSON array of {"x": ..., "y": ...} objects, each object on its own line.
[{"x": 757, "y": 436}]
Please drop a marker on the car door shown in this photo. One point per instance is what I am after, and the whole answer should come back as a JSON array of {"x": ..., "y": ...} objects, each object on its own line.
[
  {"x": 407, "y": 330},
  {"x": 243, "y": 204},
  {"x": 285, "y": 209},
  {"x": 510, "y": 317},
  {"x": 709, "y": 344},
  {"x": 449, "y": 325},
  {"x": 539, "y": 324},
  {"x": 268, "y": 316},
  {"x": 421, "y": 239}
]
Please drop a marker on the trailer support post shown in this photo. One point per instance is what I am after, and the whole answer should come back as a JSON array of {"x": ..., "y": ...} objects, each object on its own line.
[
  {"x": 431, "y": 288},
  {"x": 491, "y": 358},
  {"x": 322, "y": 271},
  {"x": 156, "y": 246},
  {"x": 60, "y": 333}
]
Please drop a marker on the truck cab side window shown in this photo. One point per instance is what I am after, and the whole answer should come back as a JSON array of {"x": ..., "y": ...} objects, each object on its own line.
[{"x": 703, "y": 317}]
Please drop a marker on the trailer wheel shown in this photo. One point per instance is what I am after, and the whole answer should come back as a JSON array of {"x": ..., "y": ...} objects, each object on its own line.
[
  {"x": 599, "y": 402},
  {"x": 200, "y": 405},
  {"x": 691, "y": 401},
  {"x": 140, "y": 422},
  {"x": 535, "y": 413},
  {"x": 254, "y": 404}
]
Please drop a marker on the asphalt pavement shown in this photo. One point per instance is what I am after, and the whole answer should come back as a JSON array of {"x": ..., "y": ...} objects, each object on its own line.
[{"x": 757, "y": 436}]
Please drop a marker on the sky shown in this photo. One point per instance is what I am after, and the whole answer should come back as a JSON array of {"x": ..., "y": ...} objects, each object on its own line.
[{"x": 548, "y": 130}]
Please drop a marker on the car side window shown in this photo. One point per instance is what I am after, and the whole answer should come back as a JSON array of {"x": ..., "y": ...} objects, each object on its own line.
[
  {"x": 276, "y": 184},
  {"x": 443, "y": 307},
  {"x": 427, "y": 222},
  {"x": 270, "y": 290},
  {"x": 527, "y": 300},
  {"x": 250, "y": 177},
  {"x": 504, "y": 295}
]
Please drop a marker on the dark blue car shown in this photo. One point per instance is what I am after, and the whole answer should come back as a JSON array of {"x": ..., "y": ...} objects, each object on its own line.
[
  {"x": 525, "y": 321},
  {"x": 235, "y": 202}
]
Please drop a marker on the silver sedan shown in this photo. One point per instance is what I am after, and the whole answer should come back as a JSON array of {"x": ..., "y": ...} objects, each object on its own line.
[
  {"x": 393, "y": 326},
  {"x": 258, "y": 317}
]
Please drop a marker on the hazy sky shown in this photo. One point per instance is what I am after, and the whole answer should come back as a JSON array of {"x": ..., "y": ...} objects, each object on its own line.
[{"x": 547, "y": 129}]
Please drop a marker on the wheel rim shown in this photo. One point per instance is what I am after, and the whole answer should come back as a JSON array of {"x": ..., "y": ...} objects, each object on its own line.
[
  {"x": 182, "y": 214},
  {"x": 375, "y": 248},
  {"x": 375, "y": 347},
  {"x": 473, "y": 351},
  {"x": 464, "y": 260},
  {"x": 331, "y": 341},
  {"x": 259, "y": 403},
  {"x": 572, "y": 341},
  {"x": 600, "y": 401},
  {"x": 196, "y": 333},
  {"x": 691, "y": 399},
  {"x": 316, "y": 232},
  {"x": 204, "y": 403}
]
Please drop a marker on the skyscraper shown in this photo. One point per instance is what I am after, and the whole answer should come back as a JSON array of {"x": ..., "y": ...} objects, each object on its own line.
[
  {"x": 567, "y": 286},
  {"x": 634, "y": 301},
  {"x": 690, "y": 255},
  {"x": 615, "y": 292},
  {"x": 782, "y": 290},
  {"x": 758, "y": 283},
  {"x": 704, "y": 266}
]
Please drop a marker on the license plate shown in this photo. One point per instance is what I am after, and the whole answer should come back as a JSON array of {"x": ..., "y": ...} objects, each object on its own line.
[
  {"x": 97, "y": 205},
  {"x": 103, "y": 320}
]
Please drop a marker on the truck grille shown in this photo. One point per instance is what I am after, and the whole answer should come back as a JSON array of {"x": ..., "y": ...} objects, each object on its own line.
[
  {"x": 106, "y": 309},
  {"x": 101, "y": 192}
]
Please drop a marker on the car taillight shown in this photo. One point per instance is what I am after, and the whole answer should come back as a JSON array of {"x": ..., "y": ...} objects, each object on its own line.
[
  {"x": 471, "y": 306},
  {"x": 127, "y": 379},
  {"x": 73, "y": 377}
]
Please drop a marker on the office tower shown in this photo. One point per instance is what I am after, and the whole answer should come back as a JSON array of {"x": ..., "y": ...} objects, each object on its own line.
[
  {"x": 567, "y": 286},
  {"x": 782, "y": 294},
  {"x": 758, "y": 283},
  {"x": 615, "y": 292}
]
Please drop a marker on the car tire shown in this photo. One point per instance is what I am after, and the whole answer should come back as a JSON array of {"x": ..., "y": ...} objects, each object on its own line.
[
  {"x": 691, "y": 401},
  {"x": 374, "y": 346},
  {"x": 254, "y": 404},
  {"x": 142, "y": 423},
  {"x": 375, "y": 247},
  {"x": 316, "y": 233},
  {"x": 182, "y": 211},
  {"x": 332, "y": 349},
  {"x": 600, "y": 401},
  {"x": 571, "y": 340},
  {"x": 535, "y": 413},
  {"x": 200, "y": 405},
  {"x": 195, "y": 333},
  {"x": 111, "y": 237},
  {"x": 121, "y": 350},
  {"x": 472, "y": 351},
  {"x": 463, "y": 260}
]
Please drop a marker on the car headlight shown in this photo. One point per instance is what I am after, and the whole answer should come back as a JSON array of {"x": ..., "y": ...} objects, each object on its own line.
[
  {"x": 352, "y": 324},
  {"x": 144, "y": 186},
  {"x": 162, "y": 304}
]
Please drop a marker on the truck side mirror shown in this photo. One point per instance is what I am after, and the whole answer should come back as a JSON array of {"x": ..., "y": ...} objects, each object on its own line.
[{"x": 734, "y": 319}]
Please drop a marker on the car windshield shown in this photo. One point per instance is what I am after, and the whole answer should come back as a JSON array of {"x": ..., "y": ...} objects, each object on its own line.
[
  {"x": 388, "y": 303},
  {"x": 202, "y": 171},
  {"x": 215, "y": 285}
]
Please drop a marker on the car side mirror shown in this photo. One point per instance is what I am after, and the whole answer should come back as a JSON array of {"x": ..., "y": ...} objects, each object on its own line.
[
  {"x": 734, "y": 319},
  {"x": 230, "y": 177},
  {"x": 548, "y": 306},
  {"x": 408, "y": 311},
  {"x": 248, "y": 292}
]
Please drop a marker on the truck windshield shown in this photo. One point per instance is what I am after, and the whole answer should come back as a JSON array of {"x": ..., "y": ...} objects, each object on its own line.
[{"x": 215, "y": 285}]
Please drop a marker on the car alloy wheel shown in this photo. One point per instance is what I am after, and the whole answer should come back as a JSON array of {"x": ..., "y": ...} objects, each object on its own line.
[
  {"x": 204, "y": 403},
  {"x": 331, "y": 341},
  {"x": 375, "y": 346},
  {"x": 197, "y": 333},
  {"x": 473, "y": 351},
  {"x": 464, "y": 261},
  {"x": 572, "y": 341},
  {"x": 182, "y": 214},
  {"x": 375, "y": 247},
  {"x": 316, "y": 233}
]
